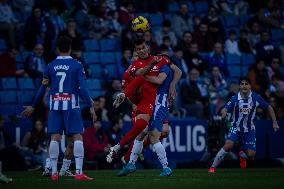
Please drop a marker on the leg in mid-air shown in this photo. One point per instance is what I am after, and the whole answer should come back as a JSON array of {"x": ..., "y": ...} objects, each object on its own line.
[{"x": 221, "y": 154}]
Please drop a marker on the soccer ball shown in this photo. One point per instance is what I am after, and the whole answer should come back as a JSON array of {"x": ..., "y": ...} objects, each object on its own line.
[{"x": 140, "y": 24}]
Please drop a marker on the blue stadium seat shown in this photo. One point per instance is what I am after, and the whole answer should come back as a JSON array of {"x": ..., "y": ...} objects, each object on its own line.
[
  {"x": 277, "y": 34},
  {"x": 247, "y": 59},
  {"x": 235, "y": 71},
  {"x": 173, "y": 7},
  {"x": 111, "y": 70},
  {"x": 8, "y": 97},
  {"x": 231, "y": 21},
  {"x": 109, "y": 44},
  {"x": 91, "y": 45},
  {"x": 26, "y": 84},
  {"x": 7, "y": 109},
  {"x": 156, "y": 19},
  {"x": 201, "y": 6},
  {"x": 9, "y": 83},
  {"x": 3, "y": 46},
  {"x": 96, "y": 71},
  {"x": 91, "y": 57},
  {"x": 108, "y": 58},
  {"x": 191, "y": 7},
  {"x": 233, "y": 59},
  {"x": 93, "y": 84},
  {"x": 96, "y": 93},
  {"x": 25, "y": 97}
]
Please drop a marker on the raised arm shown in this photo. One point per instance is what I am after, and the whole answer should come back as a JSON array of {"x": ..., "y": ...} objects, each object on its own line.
[
  {"x": 157, "y": 79},
  {"x": 146, "y": 69},
  {"x": 176, "y": 78}
]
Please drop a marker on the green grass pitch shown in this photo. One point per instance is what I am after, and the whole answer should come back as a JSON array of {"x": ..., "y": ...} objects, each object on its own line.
[{"x": 147, "y": 179}]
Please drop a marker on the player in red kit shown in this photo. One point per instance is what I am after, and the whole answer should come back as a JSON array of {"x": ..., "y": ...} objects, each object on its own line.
[{"x": 144, "y": 65}]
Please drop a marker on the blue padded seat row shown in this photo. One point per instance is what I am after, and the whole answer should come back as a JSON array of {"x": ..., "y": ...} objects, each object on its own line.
[{"x": 93, "y": 84}]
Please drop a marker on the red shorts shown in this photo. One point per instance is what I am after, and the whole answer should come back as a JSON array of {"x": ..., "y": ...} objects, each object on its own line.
[{"x": 145, "y": 107}]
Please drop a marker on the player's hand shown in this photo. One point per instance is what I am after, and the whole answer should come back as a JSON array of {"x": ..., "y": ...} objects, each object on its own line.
[
  {"x": 275, "y": 126},
  {"x": 27, "y": 111},
  {"x": 93, "y": 114},
  {"x": 118, "y": 99},
  {"x": 156, "y": 60},
  {"x": 172, "y": 91}
]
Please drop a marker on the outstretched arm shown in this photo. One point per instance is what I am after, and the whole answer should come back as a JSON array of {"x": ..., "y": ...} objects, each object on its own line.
[
  {"x": 273, "y": 117},
  {"x": 177, "y": 76},
  {"x": 157, "y": 79},
  {"x": 146, "y": 69}
]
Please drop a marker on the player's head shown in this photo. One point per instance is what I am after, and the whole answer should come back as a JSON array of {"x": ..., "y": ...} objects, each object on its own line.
[
  {"x": 64, "y": 45},
  {"x": 141, "y": 48},
  {"x": 245, "y": 85}
]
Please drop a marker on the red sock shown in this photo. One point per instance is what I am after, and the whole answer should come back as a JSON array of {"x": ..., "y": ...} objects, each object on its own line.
[
  {"x": 139, "y": 126},
  {"x": 128, "y": 153}
]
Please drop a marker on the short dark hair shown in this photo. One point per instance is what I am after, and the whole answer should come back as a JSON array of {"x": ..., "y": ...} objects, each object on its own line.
[
  {"x": 244, "y": 79},
  {"x": 139, "y": 41},
  {"x": 64, "y": 44}
]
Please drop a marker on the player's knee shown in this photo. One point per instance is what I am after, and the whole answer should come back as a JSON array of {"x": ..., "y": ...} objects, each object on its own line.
[
  {"x": 56, "y": 137},
  {"x": 250, "y": 154},
  {"x": 228, "y": 146}
]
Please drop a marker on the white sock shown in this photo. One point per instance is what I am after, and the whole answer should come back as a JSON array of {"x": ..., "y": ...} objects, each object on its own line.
[
  {"x": 219, "y": 157},
  {"x": 116, "y": 147},
  {"x": 47, "y": 164},
  {"x": 136, "y": 150},
  {"x": 66, "y": 164},
  {"x": 161, "y": 153},
  {"x": 53, "y": 155},
  {"x": 79, "y": 156}
]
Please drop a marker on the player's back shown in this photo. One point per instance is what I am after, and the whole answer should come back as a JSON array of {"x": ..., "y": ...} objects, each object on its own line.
[
  {"x": 163, "y": 89},
  {"x": 64, "y": 74}
]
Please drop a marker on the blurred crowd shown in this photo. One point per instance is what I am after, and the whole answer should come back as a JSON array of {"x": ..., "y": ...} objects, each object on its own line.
[{"x": 203, "y": 38}]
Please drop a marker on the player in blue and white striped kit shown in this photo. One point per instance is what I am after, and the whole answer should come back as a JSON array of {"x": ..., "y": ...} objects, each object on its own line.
[
  {"x": 66, "y": 80},
  {"x": 155, "y": 127},
  {"x": 243, "y": 108}
]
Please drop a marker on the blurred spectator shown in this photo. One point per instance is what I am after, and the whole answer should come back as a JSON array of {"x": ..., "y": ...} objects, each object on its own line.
[
  {"x": 8, "y": 64},
  {"x": 124, "y": 110},
  {"x": 196, "y": 22},
  {"x": 35, "y": 29},
  {"x": 23, "y": 7},
  {"x": 281, "y": 48},
  {"x": 274, "y": 69},
  {"x": 82, "y": 18},
  {"x": 151, "y": 6},
  {"x": 96, "y": 144},
  {"x": 9, "y": 150},
  {"x": 194, "y": 95},
  {"x": 8, "y": 23},
  {"x": 126, "y": 58},
  {"x": 231, "y": 45},
  {"x": 35, "y": 63},
  {"x": 233, "y": 89},
  {"x": 186, "y": 41},
  {"x": 166, "y": 31},
  {"x": 215, "y": 25},
  {"x": 182, "y": 21},
  {"x": 166, "y": 46},
  {"x": 194, "y": 60},
  {"x": 254, "y": 35},
  {"x": 217, "y": 58},
  {"x": 265, "y": 48},
  {"x": 150, "y": 41},
  {"x": 218, "y": 92},
  {"x": 111, "y": 24},
  {"x": 126, "y": 38},
  {"x": 72, "y": 33},
  {"x": 36, "y": 141},
  {"x": 277, "y": 88},
  {"x": 271, "y": 15},
  {"x": 243, "y": 43},
  {"x": 203, "y": 38},
  {"x": 114, "y": 132},
  {"x": 259, "y": 78},
  {"x": 126, "y": 13},
  {"x": 179, "y": 61},
  {"x": 77, "y": 54},
  {"x": 241, "y": 8},
  {"x": 102, "y": 103}
]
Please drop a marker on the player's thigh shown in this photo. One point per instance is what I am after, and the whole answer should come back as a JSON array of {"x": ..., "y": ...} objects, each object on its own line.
[
  {"x": 248, "y": 142},
  {"x": 73, "y": 122},
  {"x": 166, "y": 128},
  {"x": 154, "y": 135},
  {"x": 55, "y": 122}
]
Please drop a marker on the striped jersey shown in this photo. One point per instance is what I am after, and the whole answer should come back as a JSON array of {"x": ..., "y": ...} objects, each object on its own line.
[
  {"x": 243, "y": 111},
  {"x": 162, "y": 97},
  {"x": 65, "y": 75}
]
